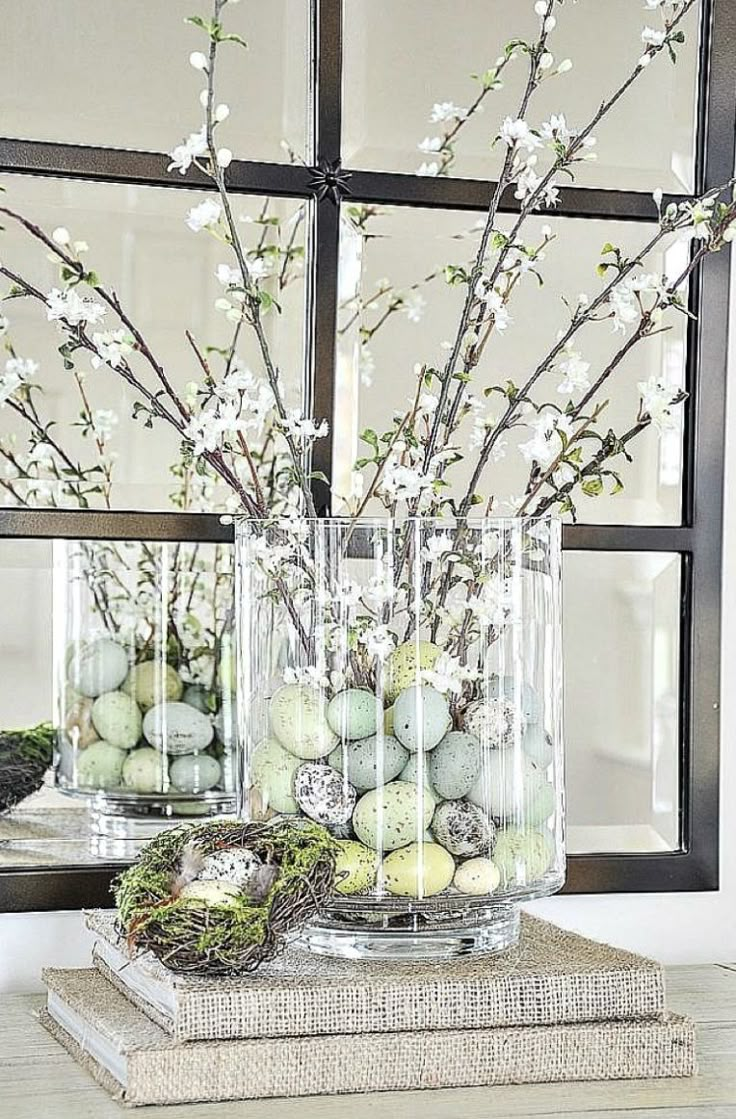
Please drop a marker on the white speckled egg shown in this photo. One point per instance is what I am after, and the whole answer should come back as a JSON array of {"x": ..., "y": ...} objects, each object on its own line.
[
  {"x": 272, "y": 771},
  {"x": 477, "y": 877},
  {"x": 538, "y": 745},
  {"x": 194, "y": 773},
  {"x": 97, "y": 666},
  {"x": 100, "y": 766},
  {"x": 142, "y": 771},
  {"x": 117, "y": 719},
  {"x": 237, "y": 866},
  {"x": 421, "y": 718},
  {"x": 463, "y": 828},
  {"x": 510, "y": 787},
  {"x": 388, "y": 817},
  {"x": 152, "y": 682},
  {"x": 299, "y": 721},
  {"x": 405, "y": 665},
  {"x": 522, "y": 856},
  {"x": 418, "y": 871},
  {"x": 370, "y": 761},
  {"x": 496, "y": 723},
  {"x": 353, "y": 713},
  {"x": 204, "y": 892},
  {"x": 355, "y": 867},
  {"x": 323, "y": 794},
  {"x": 177, "y": 728},
  {"x": 454, "y": 764}
]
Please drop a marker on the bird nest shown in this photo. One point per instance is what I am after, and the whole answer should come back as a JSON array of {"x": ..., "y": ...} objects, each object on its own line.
[{"x": 191, "y": 936}]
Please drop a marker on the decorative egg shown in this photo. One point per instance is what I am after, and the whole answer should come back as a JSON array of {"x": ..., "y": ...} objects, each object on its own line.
[
  {"x": 194, "y": 773},
  {"x": 477, "y": 877},
  {"x": 196, "y": 696},
  {"x": 117, "y": 719},
  {"x": 298, "y": 719},
  {"x": 388, "y": 720},
  {"x": 78, "y": 724},
  {"x": 410, "y": 772},
  {"x": 454, "y": 764},
  {"x": 216, "y": 894},
  {"x": 142, "y": 771},
  {"x": 418, "y": 871},
  {"x": 463, "y": 828},
  {"x": 389, "y": 817},
  {"x": 323, "y": 793},
  {"x": 370, "y": 761},
  {"x": 152, "y": 682},
  {"x": 520, "y": 694},
  {"x": 522, "y": 855},
  {"x": 177, "y": 728},
  {"x": 511, "y": 787},
  {"x": 97, "y": 666},
  {"x": 421, "y": 718},
  {"x": 355, "y": 867},
  {"x": 353, "y": 714},
  {"x": 496, "y": 723},
  {"x": 100, "y": 766},
  {"x": 272, "y": 771},
  {"x": 405, "y": 665},
  {"x": 538, "y": 745},
  {"x": 238, "y": 866}
]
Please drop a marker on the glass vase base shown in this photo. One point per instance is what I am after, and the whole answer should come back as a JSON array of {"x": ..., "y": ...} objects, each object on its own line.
[
  {"x": 119, "y": 835},
  {"x": 414, "y": 936}
]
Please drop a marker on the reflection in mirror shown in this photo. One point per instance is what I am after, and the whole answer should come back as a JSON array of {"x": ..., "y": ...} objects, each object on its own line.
[
  {"x": 116, "y": 75},
  {"x": 621, "y": 644},
  {"x": 440, "y": 114},
  {"x": 170, "y": 280},
  {"x": 397, "y": 308}
]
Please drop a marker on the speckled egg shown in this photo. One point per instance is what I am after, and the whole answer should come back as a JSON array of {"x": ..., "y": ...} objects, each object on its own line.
[
  {"x": 117, "y": 719},
  {"x": 194, "y": 773},
  {"x": 196, "y": 696},
  {"x": 496, "y": 723},
  {"x": 355, "y": 867},
  {"x": 97, "y": 666},
  {"x": 522, "y": 856},
  {"x": 405, "y": 665},
  {"x": 323, "y": 794},
  {"x": 237, "y": 866},
  {"x": 463, "y": 828},
  {"x": 370, "y": 761},
  {"x": 352, "y": 713},
  {"x": 538, "y": 745},
  {"x": 410, "y": 772},
  {"x": 421, "y": 718},
  {"x": 272, "y": 771},
  {"x": 152, "y": 682},
  {"x": 418, "y": 871},
  {"x": 177, "y": 728},
  {"x": 100, "y": 766},
  {"x": 388, "y": 817},
  {"x": 454, "y": 764},
  {"x": 299, "y": 721},
  {"x": 511, "y": 787},
  {"x": 520, "y": 694},
  {"x": 477, "y": 877},
  {"x": 142, "y": 771},
  {"x": 216, "y": 894},
  {"x": 78, "y": 724}
]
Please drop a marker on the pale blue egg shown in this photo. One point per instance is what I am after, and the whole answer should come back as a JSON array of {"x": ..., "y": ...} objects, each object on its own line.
[
  {"x": 421, "y": 717},
  {"x": 454, "y": 764},
  {"x": 353, "y": 713},
  {"x": 194, "y": 773},
  {"x": 368, "y": 762}
]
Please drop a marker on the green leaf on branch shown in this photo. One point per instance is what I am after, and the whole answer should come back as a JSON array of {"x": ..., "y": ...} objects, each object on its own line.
[
  {"x": 592, "y": 486},
  {"x": 369, "y": 436}
]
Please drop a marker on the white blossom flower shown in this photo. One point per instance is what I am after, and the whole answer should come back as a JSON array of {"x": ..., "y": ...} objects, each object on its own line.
[
  {"x": 427, "y": 404},
  {"x": 494, "y": 604},
  {"x": 556, "y": 129},
  {"x": 527, "y": 182},
  {"x": 652, "y": 5},
  {"x": 71, "y": 307},
  {"x": 379, "y": 642},
  {"x": 518, "y": 132},
  {"x": 380, "y": 590},
  {"x": 229, "y": 277},
  {"x": 575, "y": 372},
  {"x": 104, "y": 421},
  {"x": 198, "y": 60},
  {"x": 9, "y": 383},
  {"x": 309, "y": 674},
  {"x": 429, "y": 170},
  {"x": 221, "y": 113},
  {"x": 224, "y": 157},
  {"x": 656, "y": 402},
  {"x": 546, "y": 60},
  {"x": 564, "y": 475},
  {"x": 565, "y": 66},
  {"x": 438, "y": 545},
  {"x": 303, "y": 428},
  {"x": 349, "y": 593},
  {"x": 112, "y": 347},
  {"x": 41, "y": 455},
  {"x": 545, "y": 444},
  {"x": 184, "y": 154},
  {"x": 21, "y": 367},
  {"x": 61, "y": 235},
  {"x": 446, "y": 110},
  {"x": 413, "y": 303},
  {"x": 448, "y": 674},
  {"x": 652, "y": 38},
  {"x": 205, "y": 215},
  {"x": 624, "y": 302},
  {"x": 430, "y": 144},
  {"x": 260, "y": 268}
]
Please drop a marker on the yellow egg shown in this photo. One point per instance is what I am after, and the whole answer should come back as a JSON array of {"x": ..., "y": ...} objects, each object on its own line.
[
  {"x": 418, "y": 871},
  {"x": 404, "y": 666},
  {"x": 355, "y": 867},
  {"x": 477, "y": 876}
]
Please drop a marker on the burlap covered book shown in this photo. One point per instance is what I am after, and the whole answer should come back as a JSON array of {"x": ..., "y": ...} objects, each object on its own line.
[
  {"x": 552, "y": 977},
  {"x": 138, "y": 1062}
]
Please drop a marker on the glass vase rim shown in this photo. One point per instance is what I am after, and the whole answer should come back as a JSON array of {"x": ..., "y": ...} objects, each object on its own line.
[{"x": 374, "y": 520}]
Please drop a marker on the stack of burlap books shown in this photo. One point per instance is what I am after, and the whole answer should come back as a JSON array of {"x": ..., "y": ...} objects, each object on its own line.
[{"x": 557, "y": 1007}]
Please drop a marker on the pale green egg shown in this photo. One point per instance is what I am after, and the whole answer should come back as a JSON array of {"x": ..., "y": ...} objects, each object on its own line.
[
  {"x": 99, "y": 666},
  {"x": 152, "y": 682},
  {"x": 369, "y": 762},
  {"x": 477, "y": 877},
  {"x": 406, "y": 664},
  {"x": 176, "y": 728},
  {"x": 272, "y": 771},
  {"x": 194, "y": 773},
  {"x": 299, "y": 721},
  {"x": 117, "y": 719},
  {"x": 392, "y": 816},
  {"x": 421, "y": 717},
  {"x": 454, "y": 764},
  {"x": 142, "y": 771},
  {"x": 100, "y": 766},
  {"x": 353, "y": 713},
  {"x": 215, "y": 893},
  {"x": 355, "y": 867},
  {"x": 522, "y": 856},
  {"x": 418, "y": 871}
]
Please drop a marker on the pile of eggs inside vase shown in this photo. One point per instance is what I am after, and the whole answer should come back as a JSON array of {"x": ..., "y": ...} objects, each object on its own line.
[
  {"x": 418, "y": 805},
  {"x": 140, "y": 728}
]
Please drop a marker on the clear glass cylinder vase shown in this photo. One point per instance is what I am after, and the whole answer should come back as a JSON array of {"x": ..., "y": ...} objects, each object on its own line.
[
  {"x": 144, "y": 700},
  {"x": 401, "y": 683}
]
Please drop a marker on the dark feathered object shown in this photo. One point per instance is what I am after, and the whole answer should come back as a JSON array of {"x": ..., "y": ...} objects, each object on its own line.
[{"x": 25, "y": 755}]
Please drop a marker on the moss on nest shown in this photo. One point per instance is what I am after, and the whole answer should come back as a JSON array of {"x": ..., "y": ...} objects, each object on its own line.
[{"x": 190, "y": 936}]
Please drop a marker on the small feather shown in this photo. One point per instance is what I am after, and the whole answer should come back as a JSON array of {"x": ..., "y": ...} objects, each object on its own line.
[
  {"x": 262, "y": 881},
  {"x": 190, "y": 865}
]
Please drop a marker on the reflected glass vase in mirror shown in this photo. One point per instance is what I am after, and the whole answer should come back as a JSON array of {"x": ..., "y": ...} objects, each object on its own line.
[
  {"x": 401, "y": 684},
  {"x": 144, "y": 685}
]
